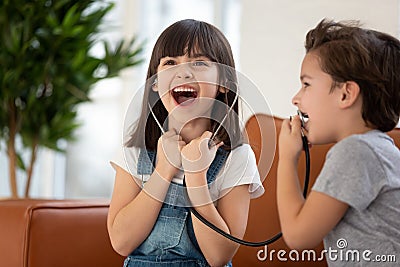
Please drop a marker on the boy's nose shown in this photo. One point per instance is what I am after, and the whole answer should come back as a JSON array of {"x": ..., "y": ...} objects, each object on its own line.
[{"x": 295, "y": 99}]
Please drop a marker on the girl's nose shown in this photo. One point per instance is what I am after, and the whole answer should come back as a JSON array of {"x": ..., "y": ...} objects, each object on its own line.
[{"x": 184, "y": 72}]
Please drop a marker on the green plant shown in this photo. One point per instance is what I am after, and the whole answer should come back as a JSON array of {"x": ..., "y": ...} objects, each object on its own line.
[{"x": 47, "y": 70}]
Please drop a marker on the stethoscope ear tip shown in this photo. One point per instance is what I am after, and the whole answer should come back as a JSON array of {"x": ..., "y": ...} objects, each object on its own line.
[{"x": 303, "y": 122}]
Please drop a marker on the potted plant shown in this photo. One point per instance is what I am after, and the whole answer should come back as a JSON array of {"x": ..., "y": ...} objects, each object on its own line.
[{"x": 47, "y": 70}]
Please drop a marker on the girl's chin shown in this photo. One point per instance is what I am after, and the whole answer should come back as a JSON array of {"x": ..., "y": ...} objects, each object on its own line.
[{"x": 186, "y": 116}]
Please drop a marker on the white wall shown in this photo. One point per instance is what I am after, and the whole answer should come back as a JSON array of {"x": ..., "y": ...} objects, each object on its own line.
[
  {"x": 99, "y": 138},
  {"x": 269, "y": 52},
  {"x": 273, "y": 33}
]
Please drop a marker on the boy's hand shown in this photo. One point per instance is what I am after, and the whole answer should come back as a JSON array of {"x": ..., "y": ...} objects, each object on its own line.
[
  {"x": 197, "y": 155},
  {"x": 290, "y": 139},
  {"x": 169, "y": 149}
]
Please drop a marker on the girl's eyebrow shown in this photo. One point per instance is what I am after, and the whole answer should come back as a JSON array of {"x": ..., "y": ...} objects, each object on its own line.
[
  {"x": 195, "y": 56},
  {"x": 199, "y": 56}
]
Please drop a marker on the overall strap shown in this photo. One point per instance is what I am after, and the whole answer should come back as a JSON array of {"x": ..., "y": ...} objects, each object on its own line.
[{"x": 216, "y": 164}]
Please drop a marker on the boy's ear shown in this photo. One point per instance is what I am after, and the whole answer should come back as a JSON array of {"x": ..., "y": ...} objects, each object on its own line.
[{"x": 349, "y": 94}]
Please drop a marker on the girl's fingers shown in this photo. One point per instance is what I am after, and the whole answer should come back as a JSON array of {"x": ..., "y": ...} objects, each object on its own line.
[
  {"x": 168, "y": 134},
  {"x": 172, "y": 135},
  {"x": 176, "y": 138},
  {"x": 206, "y": 134},
  {"x": 181, "y": 144},
  {"x": 219, "y": 144}
]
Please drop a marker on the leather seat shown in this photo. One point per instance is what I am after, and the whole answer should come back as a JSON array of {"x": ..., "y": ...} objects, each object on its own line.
[{"x": 55, "y": 233}]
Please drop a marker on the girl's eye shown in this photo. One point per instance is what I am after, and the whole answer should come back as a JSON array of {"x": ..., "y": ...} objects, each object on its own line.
[
  {"x": 305, "y": 85},
  {"x": 200, "y": 63},
  {"x": 169, "y": 62}
]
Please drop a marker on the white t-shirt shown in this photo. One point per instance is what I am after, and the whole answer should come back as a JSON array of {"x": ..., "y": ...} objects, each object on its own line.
[{"x": 240, "y": 168}]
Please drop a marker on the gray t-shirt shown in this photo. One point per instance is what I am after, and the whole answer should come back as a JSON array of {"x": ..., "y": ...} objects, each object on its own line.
[{"x": 363, "y": 171}]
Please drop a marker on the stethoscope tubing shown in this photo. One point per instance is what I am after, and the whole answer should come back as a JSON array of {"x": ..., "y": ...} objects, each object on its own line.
[
  {"x": 275, "y": 237},
  {"x": 215, "y": 228}
]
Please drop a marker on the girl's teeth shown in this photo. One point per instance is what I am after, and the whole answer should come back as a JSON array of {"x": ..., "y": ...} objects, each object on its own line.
[
  {"x": 182, "y": 89},
  {"x": 184, "y": 95}
]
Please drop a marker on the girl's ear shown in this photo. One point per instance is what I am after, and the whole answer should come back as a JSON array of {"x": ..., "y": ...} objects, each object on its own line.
[
  {"x": 222, "y": 89},
  {"x": 349, "y": 94},
  {"x": 154, "y": 85}
]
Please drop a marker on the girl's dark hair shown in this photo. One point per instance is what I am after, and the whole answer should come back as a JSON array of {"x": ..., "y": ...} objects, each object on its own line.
[
  {"x": 370, "y": 58},
  {"x": 190, "y": 37}
]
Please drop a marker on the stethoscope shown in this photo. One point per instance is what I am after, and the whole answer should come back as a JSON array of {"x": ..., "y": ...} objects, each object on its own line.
[{"x": 211, "y": 143}]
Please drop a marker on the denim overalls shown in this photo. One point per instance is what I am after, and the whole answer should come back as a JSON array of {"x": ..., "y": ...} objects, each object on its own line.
[{"x": 172, "y": 241}]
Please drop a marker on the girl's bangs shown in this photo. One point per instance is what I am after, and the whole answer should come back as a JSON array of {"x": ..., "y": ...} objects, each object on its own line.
[{"x": 186, "y": 42}]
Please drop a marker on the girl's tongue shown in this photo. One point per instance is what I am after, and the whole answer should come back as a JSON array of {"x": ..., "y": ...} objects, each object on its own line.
[{"x": 184, "y": 96}]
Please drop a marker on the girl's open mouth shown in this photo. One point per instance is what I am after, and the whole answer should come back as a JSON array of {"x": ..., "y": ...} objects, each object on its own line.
[{"x": 184, "y": 95}]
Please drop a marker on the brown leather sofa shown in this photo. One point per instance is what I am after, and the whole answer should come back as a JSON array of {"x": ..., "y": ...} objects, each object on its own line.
[
  {"x": 55, "y": 233},
  {"x": 61, "y": 233}
]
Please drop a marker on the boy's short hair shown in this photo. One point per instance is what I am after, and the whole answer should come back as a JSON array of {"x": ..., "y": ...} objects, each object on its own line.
[{"x": 370, "y": 58}]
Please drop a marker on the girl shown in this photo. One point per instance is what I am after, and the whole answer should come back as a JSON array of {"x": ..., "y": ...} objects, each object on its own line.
[
  {"x": 191, "y": 72},
  {"x": 351, "y": 95}
]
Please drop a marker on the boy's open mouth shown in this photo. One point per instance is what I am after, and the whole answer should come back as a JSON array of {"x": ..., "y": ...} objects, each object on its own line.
[
  {"x": 184, "y": 95},
  {"x": 303, "y": 117}
]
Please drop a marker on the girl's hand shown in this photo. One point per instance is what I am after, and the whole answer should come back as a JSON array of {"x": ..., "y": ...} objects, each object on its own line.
[
  {"x": 290, "y": 139},
  {"x": 197, "y": 156},
  {"x": 169, "y": 149}
]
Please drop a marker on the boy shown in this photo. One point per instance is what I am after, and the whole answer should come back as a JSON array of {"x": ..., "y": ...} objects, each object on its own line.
[{"x": 351, "y": 96}]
